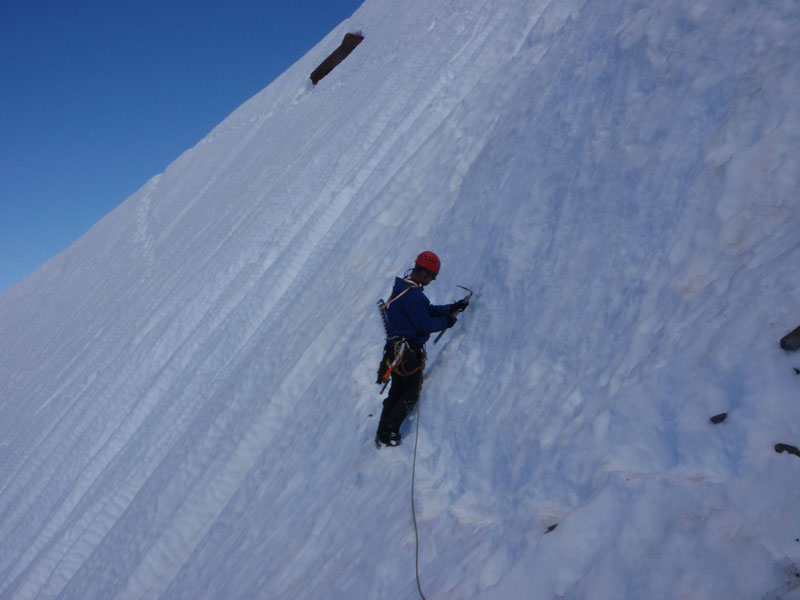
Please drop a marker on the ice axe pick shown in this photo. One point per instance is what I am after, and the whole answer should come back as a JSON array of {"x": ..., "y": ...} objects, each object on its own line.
[{"x": 467, "y": 297}]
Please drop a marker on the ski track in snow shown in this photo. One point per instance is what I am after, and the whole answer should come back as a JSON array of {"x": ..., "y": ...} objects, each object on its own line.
[{"x": 184, "y": 412}]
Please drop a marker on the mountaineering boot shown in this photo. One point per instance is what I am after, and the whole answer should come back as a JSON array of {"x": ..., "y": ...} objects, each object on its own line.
[{"x": 386, "y": 438}]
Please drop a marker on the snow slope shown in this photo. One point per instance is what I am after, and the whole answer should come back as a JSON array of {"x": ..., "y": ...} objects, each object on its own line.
[{"x": 187, "y": 403}]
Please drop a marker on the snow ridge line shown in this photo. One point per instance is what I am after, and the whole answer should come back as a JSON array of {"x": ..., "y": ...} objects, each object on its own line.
[{"x": 144, "y": 237}]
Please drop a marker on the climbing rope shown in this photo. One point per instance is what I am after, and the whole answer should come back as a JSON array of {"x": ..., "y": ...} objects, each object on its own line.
[{"x": 413, "y": 508}]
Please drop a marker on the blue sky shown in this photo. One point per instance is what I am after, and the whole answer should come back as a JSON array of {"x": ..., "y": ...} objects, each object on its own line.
[{"x": 97, "y": 97}]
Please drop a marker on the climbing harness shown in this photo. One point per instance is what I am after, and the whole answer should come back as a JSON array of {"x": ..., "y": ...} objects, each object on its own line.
[
  {"x": 396, "y": 350},
  {"x": 395, "y": 353}
]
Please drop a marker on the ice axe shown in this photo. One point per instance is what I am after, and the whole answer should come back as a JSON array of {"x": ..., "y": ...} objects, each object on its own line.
[{"x": 467, "y": 297}]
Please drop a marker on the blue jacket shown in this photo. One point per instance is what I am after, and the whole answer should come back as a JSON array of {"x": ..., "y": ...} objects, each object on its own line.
[{"x": 413, "y": 316}]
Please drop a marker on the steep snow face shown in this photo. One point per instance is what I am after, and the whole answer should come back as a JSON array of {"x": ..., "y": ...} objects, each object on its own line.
[{"x": 186, "y": 396}]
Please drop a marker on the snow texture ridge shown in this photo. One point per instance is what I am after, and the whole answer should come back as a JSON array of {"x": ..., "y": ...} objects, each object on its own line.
[{"x": 186, "y": 394}]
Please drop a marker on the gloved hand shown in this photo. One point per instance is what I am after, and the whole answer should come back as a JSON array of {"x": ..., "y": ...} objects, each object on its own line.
[
  {"x": 461, "y": 305},
  {"x": 451, "y": 320}
]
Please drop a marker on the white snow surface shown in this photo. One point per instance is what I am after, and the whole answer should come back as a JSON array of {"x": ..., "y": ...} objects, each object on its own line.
[{"x": 187, "y": 397}]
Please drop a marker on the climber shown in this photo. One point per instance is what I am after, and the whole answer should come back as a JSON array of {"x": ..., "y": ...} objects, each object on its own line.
[{"x": 410, "y": 319}]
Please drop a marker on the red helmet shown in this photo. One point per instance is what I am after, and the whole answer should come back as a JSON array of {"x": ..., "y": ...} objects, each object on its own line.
[{"x": 428, "y": 260}]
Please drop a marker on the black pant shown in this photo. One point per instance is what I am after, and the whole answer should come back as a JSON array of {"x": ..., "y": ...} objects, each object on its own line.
[{"x": 404, "y": 392}]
